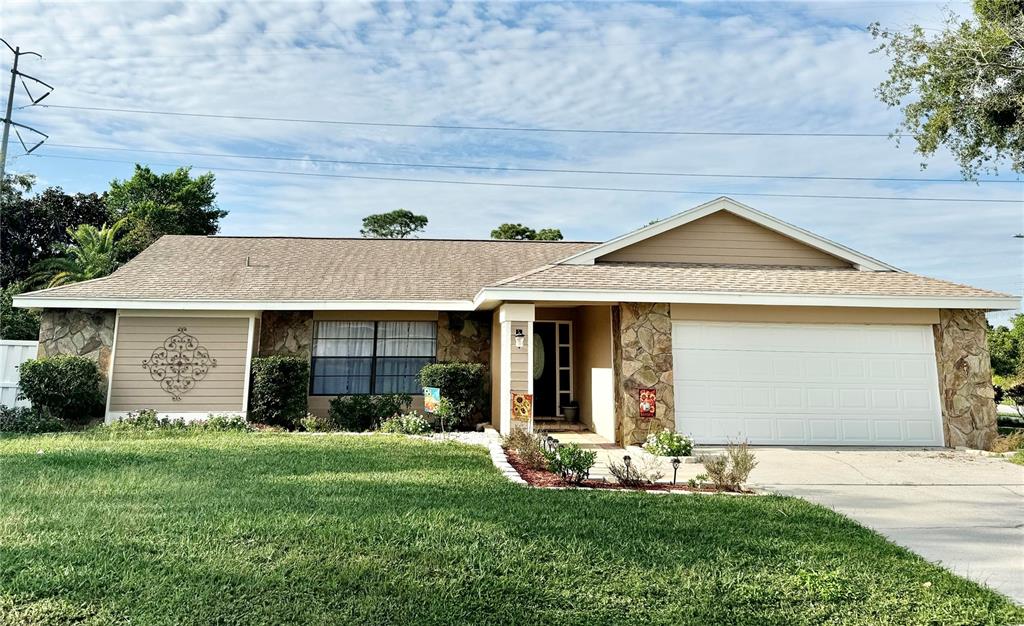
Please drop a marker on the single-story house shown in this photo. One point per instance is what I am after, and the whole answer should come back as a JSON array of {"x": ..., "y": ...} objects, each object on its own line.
[{"x": 744, "y": 326}]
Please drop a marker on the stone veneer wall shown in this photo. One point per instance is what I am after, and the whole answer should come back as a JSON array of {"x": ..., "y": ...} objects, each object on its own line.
[
  {"x": 642, "y": 345},
  {"x": 79, "y": 332},
  {"x": 286, "y": 333},
  {"x": 466, "y": 337},
  {"x": 965, "y": 379}
]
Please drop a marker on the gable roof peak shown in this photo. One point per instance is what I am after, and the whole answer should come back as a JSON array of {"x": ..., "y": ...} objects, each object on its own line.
[{"x": 725, "y": 203}]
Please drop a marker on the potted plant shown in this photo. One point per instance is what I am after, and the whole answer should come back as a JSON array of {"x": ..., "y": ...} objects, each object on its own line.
[{"x": 571, "y": 410}]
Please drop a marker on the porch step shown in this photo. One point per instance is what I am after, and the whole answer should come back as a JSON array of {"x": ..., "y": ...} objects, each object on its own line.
[{"x": 555, "y": 424}]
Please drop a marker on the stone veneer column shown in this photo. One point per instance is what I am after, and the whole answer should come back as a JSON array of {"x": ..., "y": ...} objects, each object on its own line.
[
  {"x": 464, "y": 337},
  {"x": 286, "y": 333},
  {"x": 965, "y": 378},
  {"x": 78, "y": 332},
  {"x": 642, "y": 345}
]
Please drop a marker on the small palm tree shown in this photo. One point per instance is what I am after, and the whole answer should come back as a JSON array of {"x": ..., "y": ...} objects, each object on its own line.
[{"x": 92, "y": 253}]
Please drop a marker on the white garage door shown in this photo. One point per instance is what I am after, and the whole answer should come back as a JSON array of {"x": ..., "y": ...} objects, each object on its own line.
[{"x": 806, "y": 384}]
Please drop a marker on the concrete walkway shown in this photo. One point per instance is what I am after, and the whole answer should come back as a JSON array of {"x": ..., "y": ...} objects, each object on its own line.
[{"x": 957, "y": 509}]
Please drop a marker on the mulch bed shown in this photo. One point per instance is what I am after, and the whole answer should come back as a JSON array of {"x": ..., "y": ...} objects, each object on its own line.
[{"x": 544, "y": 478}]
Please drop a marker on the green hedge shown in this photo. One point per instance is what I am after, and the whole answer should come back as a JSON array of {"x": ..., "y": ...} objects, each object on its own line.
[
  {"x": 63, "y": 387},
  {"x": 359, "y": 413},
  {"x": 463, "y": 384},
  {"x": 278, "y": 392}
]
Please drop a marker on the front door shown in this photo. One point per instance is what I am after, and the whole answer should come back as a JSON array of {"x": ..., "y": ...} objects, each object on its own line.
[{"x": 545, "y": 370}]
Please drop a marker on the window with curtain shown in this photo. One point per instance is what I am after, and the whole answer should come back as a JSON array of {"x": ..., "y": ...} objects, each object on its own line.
[{"x": 351, "y": 358}]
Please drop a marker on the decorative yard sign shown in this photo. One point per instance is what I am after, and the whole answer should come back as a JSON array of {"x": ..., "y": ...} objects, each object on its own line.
[
  {"x": 431, "y": 399},
  {"x": 648, "y": 403},
  {"x": 179, "y": 363},
  {"x": 522, "y": 410}
]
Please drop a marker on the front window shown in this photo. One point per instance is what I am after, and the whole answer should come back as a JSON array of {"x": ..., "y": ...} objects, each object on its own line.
[{"x": 351, "y": 358}]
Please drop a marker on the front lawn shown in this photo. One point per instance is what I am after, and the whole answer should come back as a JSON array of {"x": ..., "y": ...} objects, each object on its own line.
[{"x": 290, "y": 529}]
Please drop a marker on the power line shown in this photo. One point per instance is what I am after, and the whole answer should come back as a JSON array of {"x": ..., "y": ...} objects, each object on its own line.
[
  {"x": 517, "y": 129},
  {"x": 561, "y": 187},
  {"x": 496, "y": 168}
]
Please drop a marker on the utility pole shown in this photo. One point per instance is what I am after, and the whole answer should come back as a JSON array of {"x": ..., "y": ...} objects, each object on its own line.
[{"x": 7, "y": 121}]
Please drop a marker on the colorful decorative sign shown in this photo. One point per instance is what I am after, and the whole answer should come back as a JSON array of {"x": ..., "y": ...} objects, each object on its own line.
[
  {"x": 648, "y": 403},
  {"x": 179, "y": 364},
  {"x": 431, "y": 399},
  {"x": 522, "y": 410}
]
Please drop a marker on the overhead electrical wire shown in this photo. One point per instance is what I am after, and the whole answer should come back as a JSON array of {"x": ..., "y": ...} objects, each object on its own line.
[
  {"x": 560, "y": 187},
  {"x": 516, "y": 129},
  {"x": 499, "y": 168}
]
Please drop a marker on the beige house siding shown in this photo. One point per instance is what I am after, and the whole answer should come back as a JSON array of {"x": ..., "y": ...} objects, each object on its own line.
[
  {"x": 723, "y": 237},
  {"x": 222, "y": 389},
  {"x": 521, "y": 369},
  {"x": 802, "y": 314}
]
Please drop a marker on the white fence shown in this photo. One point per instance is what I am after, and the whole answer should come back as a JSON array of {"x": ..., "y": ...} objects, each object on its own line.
[{"x": 12, "y": 354}]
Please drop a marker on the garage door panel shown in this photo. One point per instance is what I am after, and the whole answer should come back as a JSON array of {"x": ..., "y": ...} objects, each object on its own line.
[{"x": 806, "y": 383}]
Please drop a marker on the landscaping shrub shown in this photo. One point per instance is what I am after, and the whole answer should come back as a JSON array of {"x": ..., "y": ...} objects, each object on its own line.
[
  {"x": 1009, "y": 442},
  {"x": 360, "y": 413},
  {"x": 729, "y": 471},
  {"x": 23, "y": 419},
  {"x": 529, "y": 447},
  {"x": 1016, "y": 395},
  {"x": 1018, "y": 458},
  {"x": 62, "y": 387},
  {"x": 225, "y": 423},
  {"x": 668, "y": 443},
  {"x": 636, "y": 474},
  {"x": 462, "y": 384},
  {"x": 316, "y": 424},
  {"x": 279, "y": 389},
  {"x": 998, "y": 394},
  {"x": 407, "y": 424},
  {"x": 571, "y": 462},
  {"x": 149, "y": 421}
]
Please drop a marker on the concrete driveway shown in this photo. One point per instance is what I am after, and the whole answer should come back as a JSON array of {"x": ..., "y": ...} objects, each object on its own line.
[{"x": 962, "y": 511}]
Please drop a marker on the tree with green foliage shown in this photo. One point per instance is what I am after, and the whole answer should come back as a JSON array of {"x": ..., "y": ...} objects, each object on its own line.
[
  {"x": 962, "y": 88},
  {"x": 35, "y": 227},
  {"x": 1006, "y": 347},
  {"x": 155, "y": 205},
  {"x": 397, "y": 224},
  {"x": 92, "y": 254},
  {"x": 19, "y": 324},
  {"x": 518, "y": 232}
]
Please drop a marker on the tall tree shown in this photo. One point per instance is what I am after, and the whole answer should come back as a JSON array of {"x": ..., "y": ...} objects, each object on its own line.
[
  {"x": 19, "y": 324},
  {"x": 35, "y": 227},
  {"x": 163, "y": 204},
  {"x": 520, "y": 232},
  {"x": 1006, "y": 346},
  {"x": 397, "y": 224},
  {"x": 962, "y": 88},
  {"x": 92, "y": 254}
]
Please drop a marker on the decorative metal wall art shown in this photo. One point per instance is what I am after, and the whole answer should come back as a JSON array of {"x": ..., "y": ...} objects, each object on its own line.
[{"x": 179, "y": 363}]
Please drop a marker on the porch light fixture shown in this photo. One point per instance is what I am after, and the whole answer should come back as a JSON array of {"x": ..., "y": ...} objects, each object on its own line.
[
  {"x": 675, "y": 468},
  {"x": 520, "y": 338}
]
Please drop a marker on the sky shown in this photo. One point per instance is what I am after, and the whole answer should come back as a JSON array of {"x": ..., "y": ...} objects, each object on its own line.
[{"x": 733, "y": 67}]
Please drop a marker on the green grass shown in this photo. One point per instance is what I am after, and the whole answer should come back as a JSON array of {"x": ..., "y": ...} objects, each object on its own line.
[
  {"x": 286, "y": 529},
  {"x": 1018, "y": 457}
]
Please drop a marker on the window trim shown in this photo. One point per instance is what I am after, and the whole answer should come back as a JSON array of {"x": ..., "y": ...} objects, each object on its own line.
[{"x": 374, "y": 358}]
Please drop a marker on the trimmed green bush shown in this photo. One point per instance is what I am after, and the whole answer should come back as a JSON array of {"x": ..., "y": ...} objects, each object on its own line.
[
  {"x": 314, "y": 423},
  {"x": 361, "y": 413},
  {"x": 23, "y": 419},
  {"x": 572, "y": 463},
  {"x": 463, "y": 384},
  {"x": 63, "y": 387},
  {"x": 279, "y": 391},
  {"x": 149, "y": 421}
]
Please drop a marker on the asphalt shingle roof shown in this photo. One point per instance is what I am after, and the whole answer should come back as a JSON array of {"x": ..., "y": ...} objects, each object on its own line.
[{"x": 285, "y": 269}]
